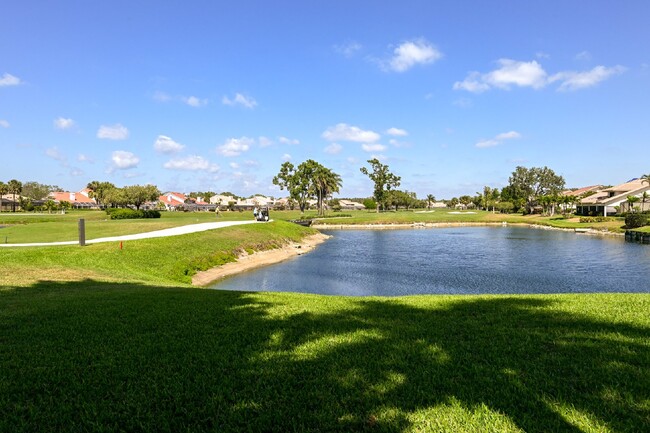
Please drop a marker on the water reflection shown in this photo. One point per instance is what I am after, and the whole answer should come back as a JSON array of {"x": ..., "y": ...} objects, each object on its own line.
[{"x": 465, "y": 260}]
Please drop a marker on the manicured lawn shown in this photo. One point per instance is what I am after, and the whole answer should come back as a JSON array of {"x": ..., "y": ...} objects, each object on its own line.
[
  {"x": 95, "y": 356},
  {"x": 169, "y": 260},
  {"x": 26, "y": 227}
]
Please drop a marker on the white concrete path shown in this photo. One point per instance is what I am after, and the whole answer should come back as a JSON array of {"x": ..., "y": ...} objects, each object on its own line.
[{"x": 174, "y": 231}]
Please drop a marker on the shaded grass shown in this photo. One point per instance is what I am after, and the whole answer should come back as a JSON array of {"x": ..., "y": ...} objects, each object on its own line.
[
  {"x": 95, "y": 356},
  {"x": 170, "y": 260}
]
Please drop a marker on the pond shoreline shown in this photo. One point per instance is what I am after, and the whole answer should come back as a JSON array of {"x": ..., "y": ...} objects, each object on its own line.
[
  {"x": 258, "y": 259},
  {"x": 421, "y": 225}
]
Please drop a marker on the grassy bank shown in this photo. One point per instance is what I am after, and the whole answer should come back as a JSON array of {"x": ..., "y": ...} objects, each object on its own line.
[
  {"x": 161, "y": 261},
  {"x": 93, "y": 356}
]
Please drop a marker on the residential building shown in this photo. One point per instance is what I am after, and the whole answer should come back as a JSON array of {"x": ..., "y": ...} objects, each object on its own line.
[{"x": 610, "y": 201}]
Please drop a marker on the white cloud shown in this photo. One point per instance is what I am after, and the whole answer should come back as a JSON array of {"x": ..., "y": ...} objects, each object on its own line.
[
  {"x": 583, "y": 56},
  {"x": 234, "y": 166},
  {"x": 500, "y": 138},
  {"x": 345, "y": 132},
  {"x": 114, "y": 132},
  {"x": 286, "y": 157},
  {"x": 85, "y": 158},
  {"x": 398, "y": 143},
  {"x": 579, "y": 80},
  {"x": 334, "y": 149},
  {"x": 191, "y": 163},
  {"x": 348, "y": 49},
  {"x": 54, "y": 153},
  {"x": 164, "y": 144},
  {"x": 76, "y": 172},
  {"x": 265, "y": 141},
  {"x": 373, "y": 147},
  {"x": 193, "y": 101},
  {"x": 4, "y": 123},
  {"x": 251, "y": 163},
  {"x": 9, "y": 80},
  {"x": 241, "y": 100},
  {"x": 235, "y": 146},
  {"x": 412, "y": 53},
  {"x": 285, "y": 140},
  {"x": 397, "y": 132},
  {"x": 531, "y": 74},
  {"x": 63, "y": 123},
  {"x": 542, "y": 55},
  {"x": 124, "y": 160}
]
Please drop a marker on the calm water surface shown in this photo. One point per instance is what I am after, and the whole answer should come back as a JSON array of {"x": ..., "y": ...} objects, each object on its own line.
[{"x": 461, "y": 260}]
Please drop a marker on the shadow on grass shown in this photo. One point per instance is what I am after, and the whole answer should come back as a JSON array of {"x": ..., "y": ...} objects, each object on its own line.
[{"x": 96, "y": 356}]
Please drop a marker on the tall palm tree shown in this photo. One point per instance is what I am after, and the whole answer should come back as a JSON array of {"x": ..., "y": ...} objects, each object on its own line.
[
  {"x": 325, "y": 182},
  {"x": 4, "y": 189},
  {"x": 15, "y": 187},
  {"x": 430, "y": 200},
  {"x": 644, "y": 198}
]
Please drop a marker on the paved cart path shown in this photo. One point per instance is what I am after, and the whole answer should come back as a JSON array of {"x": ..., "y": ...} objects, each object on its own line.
[{"x": 173, "y": 231}]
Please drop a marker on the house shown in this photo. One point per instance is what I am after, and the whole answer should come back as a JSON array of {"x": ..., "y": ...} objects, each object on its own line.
[
  {"x": 613, "y": 200},
  {"x": 174, "y": 201},
  {"x": 351, "y": 205},
  {"x": 581, "y": 191},
  {"x": 78, "y": 200}
]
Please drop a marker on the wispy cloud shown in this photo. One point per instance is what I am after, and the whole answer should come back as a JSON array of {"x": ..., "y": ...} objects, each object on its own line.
[
  {"x": 334, "y": 149},
  {"x": 194, "y": 101},
  {"x": 235, "y": 146},
  {"x": 113, "y": 132},
  {"x": 164, "y": 144},
  {"x": 412, "y": 53},
  {"x": 85, "y": 158},
  {"x": 345, "y": 132},
  {"x": 240, "y": 100},
  {"x": 55, "y": 153},
  {"x": 532, "y": 74},
  {"x": 264, "y": 141},
  {"x": 500, "y": 138},
  {"x": 348, "y": 49},
  {"x": 286, "y": 157},
  {"x": 285, "y": 140},
  {"x": 396, "y": 132},
  {"x": 63, "y": 123},
  {"x": 9, "y": 80},
  {"x": 4, "y": 123},
  {"x": 373, "y": 147},
  {"x": 191, "y": 163},
  {"x": 571, "y": 80}
]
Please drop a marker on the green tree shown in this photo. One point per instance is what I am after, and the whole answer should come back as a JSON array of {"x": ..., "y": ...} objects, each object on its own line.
[
  {"x": 384, "y": 180},
  {"x": 645, "y": 178},
  {"x": 631, "y": 199},
  {"x": 324, "y": 182},
  {"x": 137, "y": 195},
  {"x": 528, "y": 184},
  {"x": 114, "y": 197},
  {"x": 38, "y": 191},
  {"x": 430, "y": 200},
  {"x": 15, "y": 187},
  {"x": 49, "y": 205},
  {"x": 297, "y": 181},
  {"x": 100, "y": 190},
  {"x": 4, "y": 189},
  {"x": 644, "y": 199}
]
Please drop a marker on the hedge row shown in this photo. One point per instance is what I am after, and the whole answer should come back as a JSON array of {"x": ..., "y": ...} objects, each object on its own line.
[
  {"x": 126, "y": 214},
  {"x": 635, "y": 220}
]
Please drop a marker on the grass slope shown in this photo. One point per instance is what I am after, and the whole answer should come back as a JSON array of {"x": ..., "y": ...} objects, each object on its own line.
[{"x": 95, "y": 356}]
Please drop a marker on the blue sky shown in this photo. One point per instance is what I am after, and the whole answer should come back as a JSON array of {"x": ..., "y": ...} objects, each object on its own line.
[{"x": 452, "y": 95}]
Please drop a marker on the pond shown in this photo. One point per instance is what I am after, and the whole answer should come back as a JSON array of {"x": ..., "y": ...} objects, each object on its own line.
[{"x": 458, "y": 260}]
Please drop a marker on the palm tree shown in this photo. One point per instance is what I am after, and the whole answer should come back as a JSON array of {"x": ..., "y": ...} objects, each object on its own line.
[
  {"x": 644, "y": 199},
  {"x": 631, "y": 199},
  {"x": 325, "y": 182},
  {"x": 15, "y": 187},
  {"x": 430, "y": 200},
  {"x": 4, "y": 189},
  {"x": 645, "y": 178}
]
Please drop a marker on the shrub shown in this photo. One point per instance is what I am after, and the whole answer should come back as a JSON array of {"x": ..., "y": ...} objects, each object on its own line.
[
  {"x": 126, "y": 213},
  {"x": 596, "y": 219},
  {"x": 634, "y": 220}
]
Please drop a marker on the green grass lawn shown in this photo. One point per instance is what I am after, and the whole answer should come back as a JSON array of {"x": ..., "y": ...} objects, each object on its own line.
[{"x": 93, "y": 356}]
